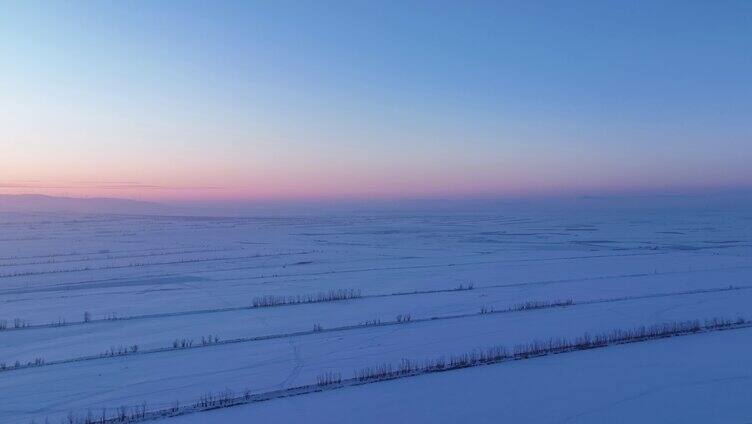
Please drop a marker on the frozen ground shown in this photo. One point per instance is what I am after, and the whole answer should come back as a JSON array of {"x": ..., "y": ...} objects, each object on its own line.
[
  {"x": 701, "y": 379},
  {"x": 82, "y": 287}
]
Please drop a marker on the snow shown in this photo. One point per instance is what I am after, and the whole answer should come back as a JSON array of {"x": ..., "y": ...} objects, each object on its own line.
[
  {"x": 698, "y": 379},
  {"x": 170, "y": 278}
]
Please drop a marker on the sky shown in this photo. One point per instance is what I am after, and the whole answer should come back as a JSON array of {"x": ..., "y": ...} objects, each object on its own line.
[{"x": 205, "y": 101}]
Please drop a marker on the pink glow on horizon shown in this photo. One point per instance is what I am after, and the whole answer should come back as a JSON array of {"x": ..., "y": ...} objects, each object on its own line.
[{"x": 365, "y": 190}]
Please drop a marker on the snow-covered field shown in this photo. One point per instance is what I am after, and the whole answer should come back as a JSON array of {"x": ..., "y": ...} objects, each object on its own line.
[{"x": 99, "y": 312}]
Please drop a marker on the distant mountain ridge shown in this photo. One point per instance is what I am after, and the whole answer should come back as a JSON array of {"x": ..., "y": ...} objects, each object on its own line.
[
  {"x": 728, "y": 201},
  {"x": 44, "y": 203}
]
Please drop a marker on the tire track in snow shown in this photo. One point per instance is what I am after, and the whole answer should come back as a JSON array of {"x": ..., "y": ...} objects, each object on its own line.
[{"x": 137, "y": 265}]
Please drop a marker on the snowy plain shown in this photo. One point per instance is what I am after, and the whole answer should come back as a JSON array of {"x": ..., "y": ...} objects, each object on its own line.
[{"x": 110, "y": 311}]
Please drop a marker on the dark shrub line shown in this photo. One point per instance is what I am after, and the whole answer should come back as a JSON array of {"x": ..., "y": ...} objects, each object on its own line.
[
  {"x": 257, "y": 302},
  {"x": 495, "y": 354},
  {"x": 536, "y": 304},
  {"x": 16, "y": 324},
  {"x": 459, "y": 288},
  {"x": 121, "y": 351},
  {"x": 112, "y": 317},
  {"x": 330, "y": 380},
  {"x": 330, "y": 296},
  {"x": 406, "y": 318},
  {"x": 187, "y": 343},
  {"x": 36, "y": 362},
  {"x": 333, "y": 295}
]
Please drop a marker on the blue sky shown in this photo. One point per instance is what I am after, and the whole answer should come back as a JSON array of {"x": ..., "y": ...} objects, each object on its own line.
[{"x": 252, "y": 100}]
